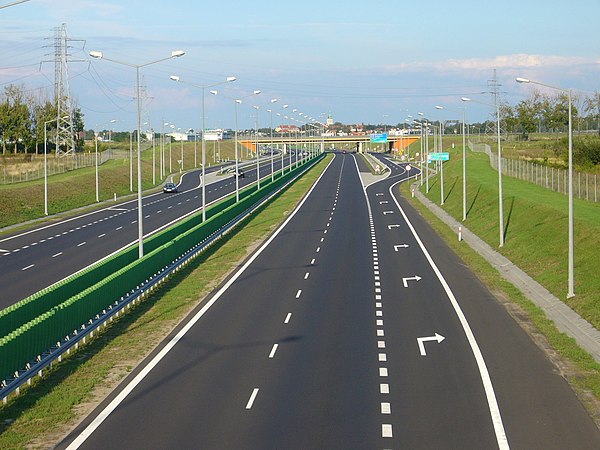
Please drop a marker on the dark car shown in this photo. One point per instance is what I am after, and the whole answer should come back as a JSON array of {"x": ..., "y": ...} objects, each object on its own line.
[
  {"x": 240, "y": 173},
  {"x": 170, "y": 187}
]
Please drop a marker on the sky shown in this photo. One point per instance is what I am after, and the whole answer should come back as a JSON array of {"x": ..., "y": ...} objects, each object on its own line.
[{"x": 361, "y": 62}]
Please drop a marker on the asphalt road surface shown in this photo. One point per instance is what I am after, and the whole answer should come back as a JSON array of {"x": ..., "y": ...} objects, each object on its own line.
[
  {"x": 34, "y": 259},
  {"x": 352, "y": 327}
]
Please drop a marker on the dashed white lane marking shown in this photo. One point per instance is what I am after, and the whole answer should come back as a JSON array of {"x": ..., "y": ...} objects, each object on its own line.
[
  {"x": 380, "y": 322},
  {"x": 287, "y": 318},
  {"x": 382, "y": 357},
  {"x": 81, "y": 244},
  {"x": 118, "y": 228},
  {"x": 306, "y": 275},
  {"x": 384, "y": 388},
  {"x": 252, "y": 398},
  {"x": 383, "y": 372},
  {"x": 273, "y": 350},
  {"x": 28, "y": 267},
  {"x": 380, "y": 333},
  {"x": 380, "y": 344},
  {"x": 57, "y": 254},
  {"x": 299, "y": 293},
  {"x": 312, "y": 262},
  {"x": 102, "y": 235},
  {"x": 386, "y": 430},
  {"x": 386, "y": 408},
  {"x": 318, "y": 249}
]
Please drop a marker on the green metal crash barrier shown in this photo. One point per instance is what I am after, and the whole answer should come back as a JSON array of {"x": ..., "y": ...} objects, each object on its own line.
[{"x": 38, "y": 322}]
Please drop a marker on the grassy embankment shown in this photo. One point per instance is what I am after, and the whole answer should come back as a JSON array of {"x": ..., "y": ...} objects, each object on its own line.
[
  {"x": 25, "y": 201},
  {"x": 536, "y": 240},
  {"x": 45, "y": 411}
]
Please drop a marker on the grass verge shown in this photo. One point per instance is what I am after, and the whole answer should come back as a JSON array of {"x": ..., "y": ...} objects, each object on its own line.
[
  {"x": 22, "y": 202},
  {"x": 46, "y": 411}
]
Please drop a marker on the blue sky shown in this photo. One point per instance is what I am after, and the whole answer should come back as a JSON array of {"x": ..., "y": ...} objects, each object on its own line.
[{"x": 362, "y": 62}]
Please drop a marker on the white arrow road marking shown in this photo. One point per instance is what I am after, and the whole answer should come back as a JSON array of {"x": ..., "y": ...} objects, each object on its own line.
[
  {"x": 393, "y": 226},
  {"x": 379, "y": 194},
  {"x": 407, "y": 279},
  {"x": 396, "y": 247},
  {"x": 438, "y": 337},
  {"x": 388, "y": 212},
  {"x": 384, "y": 202},
  {"x": 4, "y": 251}
]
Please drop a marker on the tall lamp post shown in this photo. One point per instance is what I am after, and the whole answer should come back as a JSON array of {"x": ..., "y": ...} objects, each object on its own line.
[
  {"x": 203, "y": 87},
  {"x": 273, "y": 100},
  {"x": 464, "y": 165},
  {"x": 237, "y": 101},
  {"x": 571, "y": 251},
  {"x": 174, "y": 54},
  {"x": 500, "y": 194}
]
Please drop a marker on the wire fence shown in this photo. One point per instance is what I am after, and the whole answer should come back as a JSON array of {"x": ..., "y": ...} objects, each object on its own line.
[
  {"x": 19, "y": 172},
  {"x": 585, "y": 185}
]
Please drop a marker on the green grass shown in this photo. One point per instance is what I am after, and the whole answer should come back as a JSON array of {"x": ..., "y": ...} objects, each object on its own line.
[
  {"x": 536, "y": 222},
  {"x": 23, "y": 202},
  {"x": 45, "y": 411}
]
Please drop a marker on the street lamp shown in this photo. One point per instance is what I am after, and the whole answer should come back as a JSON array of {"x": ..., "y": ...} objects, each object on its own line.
[
  {"x": 174, "y": 54},
  {"x": 464, "y": 165},
  {"x": 273, "y": 100},
  {"x": 500, "y": 203},
  {"x": 237, "y": 101},
  {"x": 571, "y": 251},
  {"x": 203, "y": 87}
]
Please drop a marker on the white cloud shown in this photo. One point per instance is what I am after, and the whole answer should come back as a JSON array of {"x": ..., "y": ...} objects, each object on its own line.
[{"x": 515, "y": 61}]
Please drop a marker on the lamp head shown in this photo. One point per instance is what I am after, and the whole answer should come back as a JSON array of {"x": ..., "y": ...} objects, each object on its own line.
[
  {"x": 231, "y": 79},
  {"x": 177, "y": 53},
  {"x": 258, "y": 91},
  {"x": 96, "y": 54},
  {"x": 174, "y": 77},
  {"x": 439, "y": 107},
  {"x": 465, "y": 99},
  {"x": 214, "y": 92},
  {"x": 273, "y": 100},
  {"x": 523, "y": 80}
]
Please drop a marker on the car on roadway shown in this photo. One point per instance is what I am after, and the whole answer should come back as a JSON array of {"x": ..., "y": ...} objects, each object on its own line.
[
  {"x": 240, "y": 173},
  {"x": 170, "y": 187}
]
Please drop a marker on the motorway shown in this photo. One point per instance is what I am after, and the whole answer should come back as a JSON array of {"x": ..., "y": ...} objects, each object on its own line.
[
  {"x": 352, "y": 326},
  {"x": 41, "y": 256}
]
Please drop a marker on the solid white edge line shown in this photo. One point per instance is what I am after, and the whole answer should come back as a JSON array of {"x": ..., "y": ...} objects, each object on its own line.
[
  {"x": 496, "y": 417},
  {"x": 81, "y": 438}
]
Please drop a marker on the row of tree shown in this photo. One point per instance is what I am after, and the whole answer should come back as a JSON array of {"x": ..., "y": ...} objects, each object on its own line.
[{"x": 23, "y": 116}]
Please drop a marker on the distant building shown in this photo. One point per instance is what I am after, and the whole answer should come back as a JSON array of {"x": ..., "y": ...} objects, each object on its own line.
[
  {"x": 285, "y": 129},
  {"x": 329, "y": 120}
]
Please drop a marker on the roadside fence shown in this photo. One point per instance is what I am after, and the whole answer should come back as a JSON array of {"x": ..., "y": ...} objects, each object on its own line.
[{"x": 585, "y": 185}]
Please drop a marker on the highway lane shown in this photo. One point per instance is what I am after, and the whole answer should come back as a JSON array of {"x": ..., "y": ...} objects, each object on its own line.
[
  {"x": 537, "y": 407},
  {"x": 314, "y": 344},
  {"x": 37, "y": 258}
]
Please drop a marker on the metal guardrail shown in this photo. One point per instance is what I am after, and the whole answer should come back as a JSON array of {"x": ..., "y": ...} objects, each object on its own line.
[{"x": 120, "y": 306}]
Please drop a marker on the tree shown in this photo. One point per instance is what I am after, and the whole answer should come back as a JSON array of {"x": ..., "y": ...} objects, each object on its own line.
[
  {"x": 526, "y": 112},
  {"x": 591, "y": 105},
  {"x": 15, "y": 120}
]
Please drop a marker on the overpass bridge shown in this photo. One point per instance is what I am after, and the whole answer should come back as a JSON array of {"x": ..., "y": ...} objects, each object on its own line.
[{"x": 360, "y": 143}]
